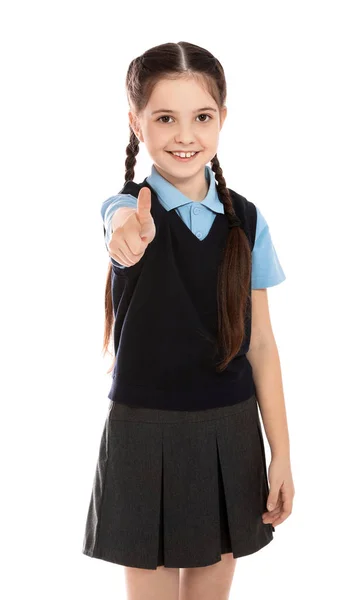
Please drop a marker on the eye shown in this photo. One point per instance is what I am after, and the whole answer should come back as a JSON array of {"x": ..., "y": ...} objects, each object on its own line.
[
  {"x": 168, "y": 117},
  {"x": 203, "y": 115},
  {"x": 164, "y": 117}
]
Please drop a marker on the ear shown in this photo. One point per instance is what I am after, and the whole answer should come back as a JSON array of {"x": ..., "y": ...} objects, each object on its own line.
[
  {"x": 134, "y": 123},
  {"x": 223, "y": 114}
]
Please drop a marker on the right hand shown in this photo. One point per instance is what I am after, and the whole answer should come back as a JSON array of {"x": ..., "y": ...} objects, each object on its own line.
[{"x": 130, "y": 240}]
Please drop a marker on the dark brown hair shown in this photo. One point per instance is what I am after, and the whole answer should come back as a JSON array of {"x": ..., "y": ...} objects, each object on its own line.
[{"x": 175, "y": 60}]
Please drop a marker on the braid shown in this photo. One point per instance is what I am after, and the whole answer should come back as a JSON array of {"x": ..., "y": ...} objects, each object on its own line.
[
  {"x": 233, "y": 277},
  {"x": 132, "y": 149},
  {"x": 224, "y": 193},
  {"x": 234, "y": 274}
]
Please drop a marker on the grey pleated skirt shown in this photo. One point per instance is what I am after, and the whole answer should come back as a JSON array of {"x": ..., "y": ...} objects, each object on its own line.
[{"x": 178, "y": 488}]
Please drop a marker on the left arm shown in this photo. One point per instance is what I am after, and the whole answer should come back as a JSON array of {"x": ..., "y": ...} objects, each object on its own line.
[{"x": 264, "y": 359}]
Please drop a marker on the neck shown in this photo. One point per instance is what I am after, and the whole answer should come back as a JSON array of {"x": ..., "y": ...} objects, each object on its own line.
[{"x": 195, "y": 188}]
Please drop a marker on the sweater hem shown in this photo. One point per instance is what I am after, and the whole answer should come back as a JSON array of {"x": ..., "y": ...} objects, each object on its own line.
[{"x": 185, "y": 399}]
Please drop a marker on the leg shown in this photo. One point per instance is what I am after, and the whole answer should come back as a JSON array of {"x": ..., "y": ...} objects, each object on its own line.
[
  {"x": 208, "y": 583},
  {"x": 147, "y": 584}
]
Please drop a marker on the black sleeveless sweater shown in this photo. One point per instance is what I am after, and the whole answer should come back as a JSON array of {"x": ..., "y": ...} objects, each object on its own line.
[{"x": 165, "y": 309}]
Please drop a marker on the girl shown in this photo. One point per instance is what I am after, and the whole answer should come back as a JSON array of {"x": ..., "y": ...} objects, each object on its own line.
[{"x": 181, "y": 480}]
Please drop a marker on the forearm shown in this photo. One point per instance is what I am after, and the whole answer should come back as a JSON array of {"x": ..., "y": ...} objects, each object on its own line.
[{"x": 267, "y": 376}]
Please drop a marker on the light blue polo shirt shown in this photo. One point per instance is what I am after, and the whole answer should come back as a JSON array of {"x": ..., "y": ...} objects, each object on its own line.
[{"x": 199, "y": 216}]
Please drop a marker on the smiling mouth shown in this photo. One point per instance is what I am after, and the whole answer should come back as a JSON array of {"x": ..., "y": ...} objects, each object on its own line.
[{"x": 183, "y": 159}]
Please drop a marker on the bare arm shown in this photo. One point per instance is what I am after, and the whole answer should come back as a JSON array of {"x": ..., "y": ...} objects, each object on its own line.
[{"x": 264, "y": 359}]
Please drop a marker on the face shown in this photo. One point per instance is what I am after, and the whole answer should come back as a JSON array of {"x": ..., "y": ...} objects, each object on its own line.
[{"x": 172, "y": 121}]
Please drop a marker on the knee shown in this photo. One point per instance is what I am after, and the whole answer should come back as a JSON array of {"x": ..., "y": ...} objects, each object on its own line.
[{"x": 212, "y": 582}]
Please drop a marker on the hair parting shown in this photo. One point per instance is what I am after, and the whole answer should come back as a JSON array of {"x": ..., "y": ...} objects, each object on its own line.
[{"x": 173, "y": 60}]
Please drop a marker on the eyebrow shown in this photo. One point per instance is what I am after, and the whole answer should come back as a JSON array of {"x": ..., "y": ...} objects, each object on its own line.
[{"x": 165, "y": 110}]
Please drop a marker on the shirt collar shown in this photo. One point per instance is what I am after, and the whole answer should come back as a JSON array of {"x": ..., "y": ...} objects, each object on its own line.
[{"x": 170, "y": 197}]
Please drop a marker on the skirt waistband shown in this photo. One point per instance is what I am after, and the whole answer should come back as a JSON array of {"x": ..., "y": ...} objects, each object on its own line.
[{"x": 124, "y": 412}]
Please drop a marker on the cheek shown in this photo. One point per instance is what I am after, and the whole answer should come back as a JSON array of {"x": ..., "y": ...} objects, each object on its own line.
[
  {"x": 210, "y": 133},
  {"x": 210, "y": 137},
  {"x": 156, "y": 136}
]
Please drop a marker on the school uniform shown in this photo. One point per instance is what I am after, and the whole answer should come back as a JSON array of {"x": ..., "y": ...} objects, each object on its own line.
[{"x": 181, "y": 476}]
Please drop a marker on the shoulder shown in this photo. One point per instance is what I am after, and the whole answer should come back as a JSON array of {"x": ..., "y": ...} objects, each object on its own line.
[
  {"x": 247, "y": 212},
  {"x": 267, "y": 270},
  {"x": 266, "y": 267},
  {"x": 240, "y": 201},
  {"x": 251, "y": 210}
]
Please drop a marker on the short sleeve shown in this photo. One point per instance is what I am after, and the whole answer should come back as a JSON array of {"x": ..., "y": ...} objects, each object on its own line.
[
  {"x": 266, "y": 268},
  {"x": 110, "y": 206}
]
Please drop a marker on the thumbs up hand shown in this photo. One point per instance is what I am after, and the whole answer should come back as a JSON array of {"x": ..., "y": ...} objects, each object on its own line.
[{"x": 135, "y": 230}]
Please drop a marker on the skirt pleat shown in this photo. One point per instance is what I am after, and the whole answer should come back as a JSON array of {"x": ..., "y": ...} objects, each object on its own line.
[{"x": 178, "y": 488}]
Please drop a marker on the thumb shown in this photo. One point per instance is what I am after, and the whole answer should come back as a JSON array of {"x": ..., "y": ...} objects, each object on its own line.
[
  {"x": 143, "y": 210},
  {"x": 271, "y": 500}
]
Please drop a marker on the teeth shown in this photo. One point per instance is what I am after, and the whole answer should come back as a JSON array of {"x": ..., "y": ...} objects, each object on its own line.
[{"x": 184, "y": 154}]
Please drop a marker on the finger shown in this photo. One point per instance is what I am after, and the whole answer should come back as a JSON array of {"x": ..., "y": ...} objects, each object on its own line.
[
  {"x": 128, "y": 241},
  {"x": 272, "y": 499},
  {"x": 281, "y": 518},
  {"x": 143, "y": 210},
  {"x": 273, "y": 513},
  {"x": 124, "y": 255},
  {"x": 132, "y": 245},
  {"x": 271, "y": 518},
  {"x": 284, "y": 507},
  {"x": 119, "y": 258},
  {"x": 116, "y": 253}
]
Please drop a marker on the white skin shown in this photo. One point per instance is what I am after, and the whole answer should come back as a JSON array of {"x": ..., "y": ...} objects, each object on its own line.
[
  {"x": 185, "y": 128},
  {"x": 182, "y": 129}
]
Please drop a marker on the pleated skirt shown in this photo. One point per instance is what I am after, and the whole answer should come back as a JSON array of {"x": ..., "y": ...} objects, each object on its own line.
[{"x": 178, "y": 488}]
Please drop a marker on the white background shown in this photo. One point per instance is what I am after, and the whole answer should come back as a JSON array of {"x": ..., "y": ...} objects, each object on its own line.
[{"x": 292, "y": 144}]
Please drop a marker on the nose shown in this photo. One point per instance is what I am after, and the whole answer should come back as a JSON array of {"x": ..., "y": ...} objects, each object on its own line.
[{"x": 185, "y": 135}]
